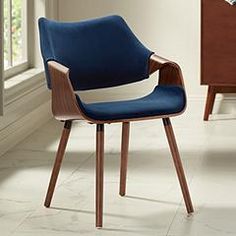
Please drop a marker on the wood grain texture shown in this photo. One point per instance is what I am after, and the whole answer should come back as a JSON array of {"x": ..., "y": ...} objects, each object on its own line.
[
  {"x": 178, "y": 164},
  {"x": 66, "y": 108},
  {"x": 64, "y": 103},
  {"x": 170, "y": 72},
  {"x": 58, "y": 161},
  {"x": 124, "y": 156},
  {"x": 218, "y": 50},
  {"x": 211, "y": 94},
  {"x": 218, "y": 37},
  {"x": 99, "y": 174}
]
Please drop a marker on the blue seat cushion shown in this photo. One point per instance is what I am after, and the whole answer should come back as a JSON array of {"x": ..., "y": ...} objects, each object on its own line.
[{"x": 163, "y": 100}]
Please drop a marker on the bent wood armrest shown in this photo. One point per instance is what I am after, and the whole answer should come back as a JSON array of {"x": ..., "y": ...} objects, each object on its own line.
[
  {"x": 169, "y": 72},
  {"x": 64, "y": 103}
]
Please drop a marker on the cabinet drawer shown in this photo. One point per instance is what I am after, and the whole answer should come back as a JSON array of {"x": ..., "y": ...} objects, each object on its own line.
[{"x": 218, "y": 43}]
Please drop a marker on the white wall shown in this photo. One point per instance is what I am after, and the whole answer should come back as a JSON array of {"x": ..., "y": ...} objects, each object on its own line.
[
  {"x": 170, "y": 27},
  {"x": 1, "y": 59}
]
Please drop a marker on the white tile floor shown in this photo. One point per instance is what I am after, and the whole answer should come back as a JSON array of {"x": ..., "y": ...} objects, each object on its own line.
[{"x": 153, "y": 205}]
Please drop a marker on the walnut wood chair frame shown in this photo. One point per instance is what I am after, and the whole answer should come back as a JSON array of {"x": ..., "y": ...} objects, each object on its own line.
[{"x": 65, "y": 108}]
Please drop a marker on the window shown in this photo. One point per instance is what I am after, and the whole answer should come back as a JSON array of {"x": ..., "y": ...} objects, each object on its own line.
[
  {"x": 21, "y": 68},
  {"x": 15, "y": 36}
]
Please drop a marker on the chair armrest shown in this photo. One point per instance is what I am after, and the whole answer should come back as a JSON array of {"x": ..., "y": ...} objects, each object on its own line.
[
  {"x": 169, "y": 72},
  {"x": 64, "y": 103}
]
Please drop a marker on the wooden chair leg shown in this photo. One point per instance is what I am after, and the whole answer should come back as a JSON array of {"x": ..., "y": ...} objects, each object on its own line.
[
  {"x": 178, "y": 165},
  {"x": 58, "y": 161},
  {"x": 211, "y": 94},
  {"x": 99, "y": 174},
  {"x": 124, "y": 157}
]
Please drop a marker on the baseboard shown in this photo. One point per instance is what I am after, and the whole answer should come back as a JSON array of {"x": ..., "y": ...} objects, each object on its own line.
[
  {"x": 31, "y": 112},
  {"x": 224, "y": 103},
  {"x": 23, "y": 117},
  {"x": 24, "y": 126}
]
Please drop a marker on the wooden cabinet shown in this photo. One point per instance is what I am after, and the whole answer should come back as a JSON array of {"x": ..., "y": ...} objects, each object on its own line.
[{"x": 218, "y": 49}]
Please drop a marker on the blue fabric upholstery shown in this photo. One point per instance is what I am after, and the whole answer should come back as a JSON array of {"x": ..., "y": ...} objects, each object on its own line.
[
  {"x": 100, "y": 53},
  {"x": 163, "y": 100}
]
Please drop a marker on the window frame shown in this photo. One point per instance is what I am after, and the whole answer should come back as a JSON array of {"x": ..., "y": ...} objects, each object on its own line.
[
  {"x": 14, "y": 70},
  {"x": 25, "y": 83}
]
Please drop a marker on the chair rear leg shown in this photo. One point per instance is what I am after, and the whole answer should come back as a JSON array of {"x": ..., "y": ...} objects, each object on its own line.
[
  {"x": 99, "y": 174},
  {"x": 58, "y": 161},
  {"x": 124, "y": 157},
  {"x": 178, "y": 165}
]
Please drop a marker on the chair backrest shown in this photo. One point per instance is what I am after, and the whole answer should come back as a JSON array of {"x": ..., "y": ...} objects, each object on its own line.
[{"x": 100, "y": 53}]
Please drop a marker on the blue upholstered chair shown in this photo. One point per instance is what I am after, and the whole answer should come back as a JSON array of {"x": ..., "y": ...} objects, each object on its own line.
[{"x": 102, "y": 53}]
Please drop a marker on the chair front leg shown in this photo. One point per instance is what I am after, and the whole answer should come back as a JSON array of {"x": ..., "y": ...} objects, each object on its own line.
[
  {"x": 124, "y": 157},
  {"x": 178, "y": 165},
  {"x": 58, "y": 161},
  {"x": 99, "y": 174}
]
